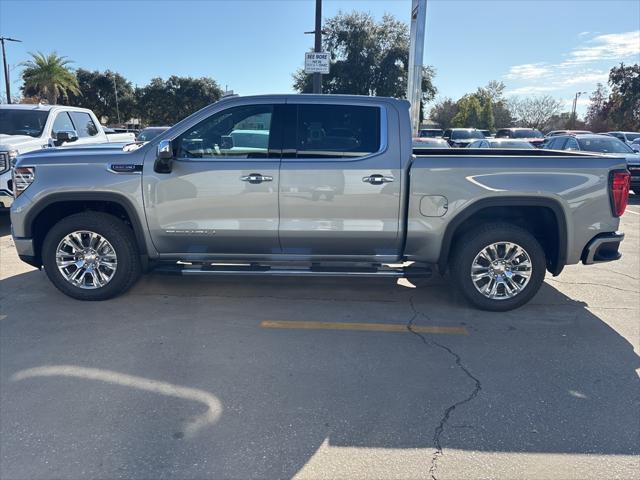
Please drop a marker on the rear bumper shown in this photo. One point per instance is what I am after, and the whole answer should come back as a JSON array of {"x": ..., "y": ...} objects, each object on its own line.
[{"x": 603, "y": 248}]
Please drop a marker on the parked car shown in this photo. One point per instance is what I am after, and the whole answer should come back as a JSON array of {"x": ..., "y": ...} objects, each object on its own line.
[
  {"x": 150, "y": 133},
  {"x": 487, "y": 133},
  {"x": 626, "y": 137},
  {"x": 461, "y": 137},
  {"x": 430, "y": 132},
  {"x": 635, "y": 145},
  {"x": 554, "y": 133},
  {"x": 24, "y": 128},
  {"x": 531, "y": 135},
  {"x": 426, "y": 142},
  {"x": 501, "y": 143},
  {"x": 603, "y": 144},
  {"x": 97, "y": 218}
]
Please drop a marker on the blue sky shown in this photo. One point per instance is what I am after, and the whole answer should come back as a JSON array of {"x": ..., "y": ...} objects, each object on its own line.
[{"x": 536, "y": 47}]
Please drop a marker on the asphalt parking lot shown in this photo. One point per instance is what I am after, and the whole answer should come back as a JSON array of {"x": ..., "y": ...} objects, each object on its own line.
[{"x": 223, "y": 378}]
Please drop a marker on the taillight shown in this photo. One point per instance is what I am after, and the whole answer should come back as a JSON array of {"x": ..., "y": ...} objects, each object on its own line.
[
  {"x": 619, "y": 191},
  {"x": 22, "y": 178}
]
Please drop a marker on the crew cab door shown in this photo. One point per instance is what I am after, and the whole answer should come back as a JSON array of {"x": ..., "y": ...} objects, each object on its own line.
[
  {"x": 340, "y": 181},
  {"x": 221, "y": 197}
]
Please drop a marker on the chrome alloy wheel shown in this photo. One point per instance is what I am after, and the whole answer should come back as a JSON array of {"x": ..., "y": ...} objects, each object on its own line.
[
  {"x": 501, "y": 270},
  {"x": 86, "y": 259}
]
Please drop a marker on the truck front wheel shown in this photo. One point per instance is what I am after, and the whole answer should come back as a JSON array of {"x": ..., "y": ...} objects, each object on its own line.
[
  {"x": 91, "y": 256},
  {"x": 498, "y": 266}
]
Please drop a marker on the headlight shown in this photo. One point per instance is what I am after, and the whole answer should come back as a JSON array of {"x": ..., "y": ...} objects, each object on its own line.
[
  {"x": 12, "y": 155},
  {"x": 22, "y": 178}
]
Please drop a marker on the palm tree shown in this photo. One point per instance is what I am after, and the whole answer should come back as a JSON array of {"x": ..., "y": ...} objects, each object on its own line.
[{"x": 49, "y": 76}]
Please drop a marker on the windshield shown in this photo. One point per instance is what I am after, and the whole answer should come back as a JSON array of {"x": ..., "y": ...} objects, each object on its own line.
[
  {"x": 511, "y": 144},
  {"x": 632, "y": 136},
  {"x": 465, "y": 134},
  {"x": 529, "y": 133},
  {"x": 430, "y": 133},
  {"x": 435, "y": 143},
  {"x": 22, "y": 122},
  {"x": 149, "y": 134},
  {"x": 604, "y": 145}
]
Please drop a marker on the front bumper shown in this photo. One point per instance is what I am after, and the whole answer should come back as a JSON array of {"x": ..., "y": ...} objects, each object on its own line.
[
  {"x": 6, "y": 199},
  {"x": 603, "y": 248}
]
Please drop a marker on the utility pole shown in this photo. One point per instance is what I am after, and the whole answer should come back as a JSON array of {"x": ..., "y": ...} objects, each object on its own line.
[
  {"x": 317, "y": 77},
  {"x": 7, "y": 83},
  {"x": 115, "y": 89},
  {"x": 573, "y": 110},
  {"x": 416, "y": 53}
]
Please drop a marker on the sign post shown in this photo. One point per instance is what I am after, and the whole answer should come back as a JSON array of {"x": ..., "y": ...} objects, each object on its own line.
[
  {"x": 316, "y": 62},
  {"x": 416, "y": 52}
]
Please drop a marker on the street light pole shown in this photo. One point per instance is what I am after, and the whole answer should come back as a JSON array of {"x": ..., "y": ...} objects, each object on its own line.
[
  {"x": 7, "y": 83},
  {"x": 317, "y": 77},
  {"x": 573, "y": 110}
]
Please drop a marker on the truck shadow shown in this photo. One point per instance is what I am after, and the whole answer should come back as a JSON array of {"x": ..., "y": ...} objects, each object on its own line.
[{"x": 554, "y": 377}]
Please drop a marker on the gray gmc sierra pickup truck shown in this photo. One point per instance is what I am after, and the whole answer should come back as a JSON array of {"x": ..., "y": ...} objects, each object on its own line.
[{"x": 313, "y": 185}]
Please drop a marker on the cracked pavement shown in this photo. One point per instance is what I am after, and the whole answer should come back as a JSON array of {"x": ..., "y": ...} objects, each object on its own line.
[{"x": 547, "y": 391}]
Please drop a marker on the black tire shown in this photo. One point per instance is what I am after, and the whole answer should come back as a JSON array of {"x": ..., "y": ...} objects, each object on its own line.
[
  {"x": 116, "y": 232},
  {"x": 473, "y": 242}
]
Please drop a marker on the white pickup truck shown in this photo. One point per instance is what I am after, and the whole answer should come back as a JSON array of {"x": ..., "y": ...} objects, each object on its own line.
[{"x": 24, "y": 128}]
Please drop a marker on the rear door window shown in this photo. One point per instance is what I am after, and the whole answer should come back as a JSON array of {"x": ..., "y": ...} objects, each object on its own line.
[
  {"x": 337, "y": 131},
  {"x": 84, "y": 124}
]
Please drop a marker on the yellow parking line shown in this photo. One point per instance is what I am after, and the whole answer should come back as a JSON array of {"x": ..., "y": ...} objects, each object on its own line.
[{"x": 368, "y": 327}]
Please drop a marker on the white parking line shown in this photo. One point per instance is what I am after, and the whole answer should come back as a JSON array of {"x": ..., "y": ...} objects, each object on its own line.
[{"x": 631, "y": 211}]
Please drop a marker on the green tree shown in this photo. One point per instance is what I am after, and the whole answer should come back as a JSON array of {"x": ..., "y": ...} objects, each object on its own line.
[
  {"x": 443, "y": 112},
  {"x": 469, "y": 112},
  {"x": 98, "y": 93},
  {"x": 597, "y": 117},
  {"x": 48, "y": 77},
  {"x": 494, "y": 93},
  {"x": 624, "y": 100},
  {"x": 367, "y": 58},
  {"x": 165, "y": 102},
  {"x": 486, "y": 116}
]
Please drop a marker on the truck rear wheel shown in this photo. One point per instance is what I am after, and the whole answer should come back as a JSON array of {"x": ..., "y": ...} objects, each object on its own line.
[
  {"x": 91, "y": 256},
  {"x": 498, "y": 266}
]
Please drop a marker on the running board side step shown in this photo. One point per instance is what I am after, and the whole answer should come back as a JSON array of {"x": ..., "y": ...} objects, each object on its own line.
[{"x": 278, "y": 271}]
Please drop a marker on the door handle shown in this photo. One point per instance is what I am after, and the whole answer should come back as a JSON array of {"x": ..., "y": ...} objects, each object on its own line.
[
  {"x": 377, "y": 179},
  {"x": 256, "y": 178}
]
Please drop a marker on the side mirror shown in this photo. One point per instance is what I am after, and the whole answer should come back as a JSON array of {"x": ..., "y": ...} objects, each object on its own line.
[
  {"x": 65, "y": 136},
  {"x": 164, "y": 158}
]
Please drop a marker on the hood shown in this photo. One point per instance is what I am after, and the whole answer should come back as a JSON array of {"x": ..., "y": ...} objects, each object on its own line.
[
  {"x": 632, "y": 158},
  {"x": 86, "y": 154},
  {"x": 18, "y": 142},
  {"x": 98, "y": 146}
]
